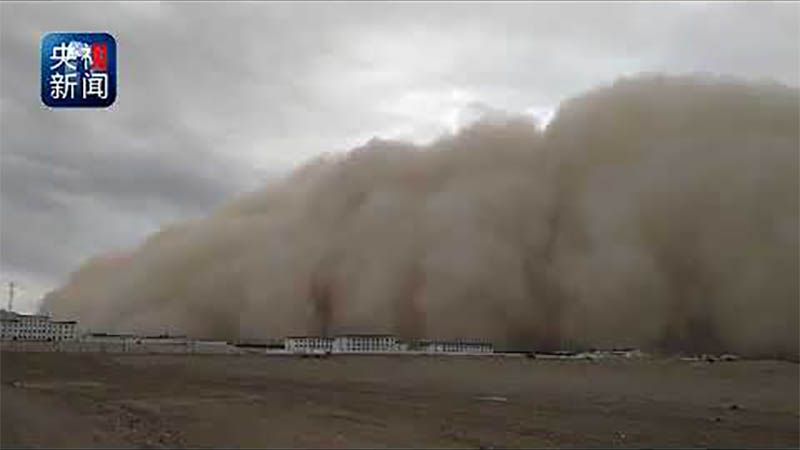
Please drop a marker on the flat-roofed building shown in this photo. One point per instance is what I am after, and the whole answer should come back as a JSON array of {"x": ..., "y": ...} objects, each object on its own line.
[
  {"x": 366, "y": 343},
  {"x": 35, "y": 327},
  {"x": 64, "y": 330},
  {"x": 308, "y": 344},
  {"x": 455, "y": 346},
  {"x": 381, "y": 343}
]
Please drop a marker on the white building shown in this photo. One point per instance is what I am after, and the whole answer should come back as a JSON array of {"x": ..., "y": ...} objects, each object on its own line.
[
  {"x": 380, "y": 343},
  {"x": 455, "y": 347},
  {"x": 35, "y": 327},
  {"x": 349, "y": 343},
  {"x": 308, "y": 344},
  {"x": 366, "y": 343}
]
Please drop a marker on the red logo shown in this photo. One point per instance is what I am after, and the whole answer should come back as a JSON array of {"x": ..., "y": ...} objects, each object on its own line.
[{"x": 99, "y": 57}]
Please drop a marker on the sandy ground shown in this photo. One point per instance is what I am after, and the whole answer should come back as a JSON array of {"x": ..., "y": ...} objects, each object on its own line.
[{"x": 97, "y": 400}]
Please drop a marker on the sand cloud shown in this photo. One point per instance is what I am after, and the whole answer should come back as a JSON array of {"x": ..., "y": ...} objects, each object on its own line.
[{"x": 660, "y": 212}]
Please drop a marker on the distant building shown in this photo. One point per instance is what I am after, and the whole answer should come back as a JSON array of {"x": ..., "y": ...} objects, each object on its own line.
[
  {"x": 308, "y": 344},
  {"x": 457, "y": 346},
  {"x": 380, "y": 343},
  {"x": 35, "y": 327},
  {"x": 348, "y": 343},
  {"x": 366, "y": 343},
  {"x": 133, "y": 343}
]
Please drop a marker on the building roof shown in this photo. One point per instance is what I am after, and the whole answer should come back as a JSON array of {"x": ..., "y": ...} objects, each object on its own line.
[
  {"x": 5, "y": 314},
  {"x": 163, "y": 336},
  {"x": 32, "y": 316},
  {"x": 351, "y": 335},
  {"x": 309, "y": 337},
  {"x": 11, "y": 315},
  {"x": 454, "y": 342},
  {"x": 110, "y": 335},
  {"x": 365, "y": 335}
]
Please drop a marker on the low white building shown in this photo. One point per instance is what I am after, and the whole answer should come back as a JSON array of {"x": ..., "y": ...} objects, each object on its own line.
[
  {"x": 348, "y": 343},
  {"x": 366, "y": 343},
  {"x": 64, "y": 330},
  {"x": 35, "y": 327},
  {"x": 380, "y": 343},
  {"x": 457, "y": 346},
  {"x": 308, "y": 344}
]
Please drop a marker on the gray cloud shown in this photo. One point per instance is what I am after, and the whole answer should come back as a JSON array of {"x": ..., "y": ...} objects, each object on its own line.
[{"x": 216, "y": 98}]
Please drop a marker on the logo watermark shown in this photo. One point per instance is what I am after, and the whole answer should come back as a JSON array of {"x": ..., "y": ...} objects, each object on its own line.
[{"x": 79, "y": 70}]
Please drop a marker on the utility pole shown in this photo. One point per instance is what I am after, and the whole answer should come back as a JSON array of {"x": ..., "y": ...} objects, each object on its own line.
[{"x": 11, "y": 286}]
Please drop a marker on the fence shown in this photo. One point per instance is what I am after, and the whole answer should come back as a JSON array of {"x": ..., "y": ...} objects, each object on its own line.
[{"x": 191, "y": 347}]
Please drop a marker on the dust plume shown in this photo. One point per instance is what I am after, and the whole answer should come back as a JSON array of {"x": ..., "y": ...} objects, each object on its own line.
[{"x": 659, "y": 212}]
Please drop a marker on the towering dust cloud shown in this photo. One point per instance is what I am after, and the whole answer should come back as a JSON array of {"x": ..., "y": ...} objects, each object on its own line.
[{"x": 660, "y": 212}]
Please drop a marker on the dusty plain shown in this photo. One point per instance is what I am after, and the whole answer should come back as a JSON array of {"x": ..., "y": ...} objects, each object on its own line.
[{"x": 151, "y": 401}]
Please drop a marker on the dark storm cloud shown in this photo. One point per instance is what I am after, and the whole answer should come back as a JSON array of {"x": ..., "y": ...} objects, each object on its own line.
[{"x": 216, "y": 98}]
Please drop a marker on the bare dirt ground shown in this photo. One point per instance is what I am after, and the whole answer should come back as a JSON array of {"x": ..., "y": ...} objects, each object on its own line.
[{"x": 101, "y": 400}]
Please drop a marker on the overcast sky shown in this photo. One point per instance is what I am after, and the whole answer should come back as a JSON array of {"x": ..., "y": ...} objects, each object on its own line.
[{"x": 215, "y": 98}]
